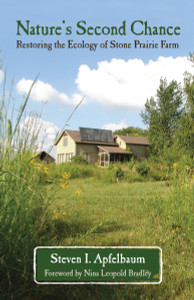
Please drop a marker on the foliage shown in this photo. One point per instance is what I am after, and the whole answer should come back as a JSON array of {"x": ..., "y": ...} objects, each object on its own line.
[
  {"x": 185, "y": 134},
  {"x": 76, "y": 170},
  {"x": 143, "y": 169},
  {"x": 119, "y": 173},
  {"x": 162, "y": 115},
  {"x": 131, "y": 131},
  {"x": 78, "y": 159}
]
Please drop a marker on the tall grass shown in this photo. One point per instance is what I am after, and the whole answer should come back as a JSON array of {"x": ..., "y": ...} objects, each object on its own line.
[
  {"x": 23, "y": 203},
  {"x": 181, "y": 199}
]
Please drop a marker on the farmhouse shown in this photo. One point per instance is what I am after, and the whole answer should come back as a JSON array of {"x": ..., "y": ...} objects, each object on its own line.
[{"x": 98, "y": 145}]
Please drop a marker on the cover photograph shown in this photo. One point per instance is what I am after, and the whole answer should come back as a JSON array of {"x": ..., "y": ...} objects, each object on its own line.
[{"x": 96, "y": 149}]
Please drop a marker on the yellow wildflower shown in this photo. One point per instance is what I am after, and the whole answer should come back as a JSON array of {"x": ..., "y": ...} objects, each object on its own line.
[
  {"x": 46, "y": 170},
  {"x": 64, "y": 185},
  {"x": 56, "y": 215},
  {"x": 187, "y": 167},
  {"x": 175, "y": 165},
  {"x": 32, "y": 161},
  {"x": 37, "y": 166},
  {"x": 65, "y": 175},
  {"x": 82, "y": 203},
  {"x": 79, "y": 192}
]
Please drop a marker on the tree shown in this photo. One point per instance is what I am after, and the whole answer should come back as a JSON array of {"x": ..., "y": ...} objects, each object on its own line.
[
  {"x": 132, "y": 131},
  {"x": 185, "y": 134},
  {"x": 162, "y": 115}
]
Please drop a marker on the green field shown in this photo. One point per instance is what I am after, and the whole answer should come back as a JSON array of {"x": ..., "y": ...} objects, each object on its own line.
[{"x": 124, "y": 214}]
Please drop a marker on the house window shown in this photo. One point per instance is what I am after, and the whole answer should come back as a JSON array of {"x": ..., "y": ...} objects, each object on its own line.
[
  {"x": 61, "y": 158},
  {"x": 68, "y": 157},
  {"x": 65, "y": 141},
  {"x": 85, "y": 156}
]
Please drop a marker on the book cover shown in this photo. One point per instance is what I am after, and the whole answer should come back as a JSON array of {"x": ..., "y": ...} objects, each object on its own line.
[{"x": 96, "y": 129}]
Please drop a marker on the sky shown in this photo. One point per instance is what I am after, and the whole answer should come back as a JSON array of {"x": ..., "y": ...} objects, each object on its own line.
[{"x": 109, "y": 52}]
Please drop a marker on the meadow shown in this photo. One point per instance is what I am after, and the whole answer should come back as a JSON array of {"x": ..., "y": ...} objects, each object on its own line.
[{"x": 94, "y": 208}]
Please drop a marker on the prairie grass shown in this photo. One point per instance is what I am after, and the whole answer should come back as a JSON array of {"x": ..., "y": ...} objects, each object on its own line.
[{"x": 23, "y": 201}]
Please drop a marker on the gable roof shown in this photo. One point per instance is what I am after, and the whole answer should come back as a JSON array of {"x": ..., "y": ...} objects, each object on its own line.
[
  {"x": 75, "y": 135},
  {"x": 136, "y": 140}
]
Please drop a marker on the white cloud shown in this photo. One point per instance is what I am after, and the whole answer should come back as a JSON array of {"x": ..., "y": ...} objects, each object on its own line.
[
  {"x": 44, "y": 92},
  {"x": 128, "y": 84},
  {"x": 113, "y": 126},
  {"x": 43, "y": 131},
  {"x": 1, "y": 75}
]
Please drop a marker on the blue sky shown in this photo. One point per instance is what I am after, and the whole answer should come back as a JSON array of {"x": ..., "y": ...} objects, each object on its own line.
[{"x": 115, "y": 82}]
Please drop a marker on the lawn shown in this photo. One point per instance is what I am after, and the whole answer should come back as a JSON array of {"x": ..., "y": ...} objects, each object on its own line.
[{"x": 91, "y": 212}]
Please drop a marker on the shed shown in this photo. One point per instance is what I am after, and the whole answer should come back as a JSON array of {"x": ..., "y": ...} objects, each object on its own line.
[{"x": 44, "y": 157}]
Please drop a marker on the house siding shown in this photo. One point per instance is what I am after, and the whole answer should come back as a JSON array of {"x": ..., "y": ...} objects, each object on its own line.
[
  {"x": 121, "y": 143},
  {"x": 63, "y": 150},
  {"x": 139, "y": 151},
  {"x": 90, "y": 150}
]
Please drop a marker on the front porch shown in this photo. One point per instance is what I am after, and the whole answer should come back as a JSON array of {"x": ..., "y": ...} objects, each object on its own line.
[{"x": 108, "y": 154}]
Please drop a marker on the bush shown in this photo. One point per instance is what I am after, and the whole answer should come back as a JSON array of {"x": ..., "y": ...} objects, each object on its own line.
[
  {"x": 75, "y": 170},
  {"x": 78, "y": 159},
  {"x": 119, "y": 173},
  {"x": 143, "y": 169}
]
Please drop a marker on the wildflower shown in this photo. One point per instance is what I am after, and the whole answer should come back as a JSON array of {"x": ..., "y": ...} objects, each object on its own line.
[
  {"x": 37, "y": 166},
  {"x": 46, "y": 170},
  {"x": 82, "y": 203},
  {"x": 79, "y": 192},
  {"x": 187, "y": 168},
  {"x": 175, "y": 165},
  {"x": 55, "y": 215},
  {"x": 64, "y": 214},
  {"x": 64, "y": 185},
  {"x": 65, "y": 175},
  {"x": 32, "y": 161}
]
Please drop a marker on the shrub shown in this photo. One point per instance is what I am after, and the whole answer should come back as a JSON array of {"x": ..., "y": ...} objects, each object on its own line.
[
  {"x": 119, "y": 173},
  {"x": 78, "y": 159},
  {"x": 143, "y": 169}
]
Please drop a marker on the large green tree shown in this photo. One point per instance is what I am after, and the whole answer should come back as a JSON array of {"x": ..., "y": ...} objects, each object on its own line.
[
  {"x": 185, "y": 134},
  {"x": 162, "y": 115},
  {"x": 131, "y": 131}
]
